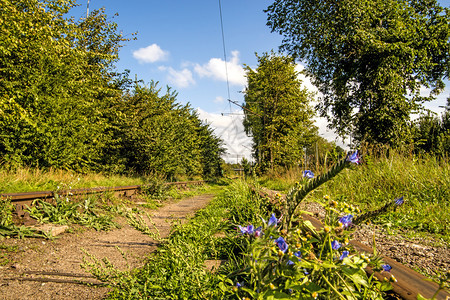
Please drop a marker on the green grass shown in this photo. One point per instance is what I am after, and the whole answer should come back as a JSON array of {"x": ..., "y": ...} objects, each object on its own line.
[
  {"x": 424, "y": 183},
  {"x": 31, "y": 179},
  {"x": 177, "y": 270}
]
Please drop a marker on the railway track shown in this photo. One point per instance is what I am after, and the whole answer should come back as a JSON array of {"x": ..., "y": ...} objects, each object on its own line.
[
  {"x": 409, "y": 282},
  {"x": 23, "y": 200}
]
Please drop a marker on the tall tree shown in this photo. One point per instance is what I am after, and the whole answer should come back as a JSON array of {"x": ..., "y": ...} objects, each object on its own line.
[
  {"x": 277, "y": 110},
  {"x": 369, "y": 59},
  {"x": 56, "y": 76}
]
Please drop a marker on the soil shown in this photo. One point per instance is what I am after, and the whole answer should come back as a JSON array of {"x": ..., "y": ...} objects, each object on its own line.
[{"x": 51, "y": 269}]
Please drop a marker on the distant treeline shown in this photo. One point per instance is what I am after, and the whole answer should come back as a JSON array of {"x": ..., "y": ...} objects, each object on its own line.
[{"x": 64, "y": 105}]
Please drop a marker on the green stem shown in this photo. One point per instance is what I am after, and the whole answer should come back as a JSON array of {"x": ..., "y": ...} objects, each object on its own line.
[
  {"x": 332, "y": 287},
  {"x": 346, "y": 285}
]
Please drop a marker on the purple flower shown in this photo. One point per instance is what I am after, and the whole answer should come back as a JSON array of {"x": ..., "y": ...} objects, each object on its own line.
[
  {"x": 346, "y": 221},
  {"x": 308, "y": 174},
  {"x": 386, "y": 267},
  {"x": 246, "y": 230},
  {"x": 258, "y": 231},
  {"x": 273, "y": 221},
  {"x": 238, "y": 285},
  {"x": 335, "y": 245},
  {"x": 344, "y": 255},
  {"x": 282, "y": 244},
  {"x": 298, "y": 254},
  {"x": 243, "y": 229},
  {"x": 399, "y": 201},
  {"x": 353, "y": 158}
]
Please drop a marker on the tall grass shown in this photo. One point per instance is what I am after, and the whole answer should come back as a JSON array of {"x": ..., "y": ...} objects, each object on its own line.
[
  {"x": 423, "y": 181},
  {"x": 33, "y": 179}
]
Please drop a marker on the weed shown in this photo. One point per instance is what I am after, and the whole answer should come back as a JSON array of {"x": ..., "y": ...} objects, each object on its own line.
[{"x": 67, "y": 212}]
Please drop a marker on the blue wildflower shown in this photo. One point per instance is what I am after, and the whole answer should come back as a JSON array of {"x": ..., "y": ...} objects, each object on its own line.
[
  {"x": 386, "y": 267},
  {"x": 247, "y": 230},
  {"x": 335, "y": 245},
  {"x": 238, "y": 285},
  {"x": 273, "y": 221},
  {"x": 258, "y": 231},
  {"x": 344, "y": 254},
  {"x": 346, "y": 221},
  {"x": 399, "y": 201},
  {"x": 243, "y": 229},
  {"x": 282, "y": 244},
  {"x": 353, "y": 158},
  {"x": 308, "y": 174}
]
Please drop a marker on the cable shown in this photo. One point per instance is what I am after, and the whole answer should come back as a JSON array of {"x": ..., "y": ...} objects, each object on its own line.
[{"x": 224, "y": 51}]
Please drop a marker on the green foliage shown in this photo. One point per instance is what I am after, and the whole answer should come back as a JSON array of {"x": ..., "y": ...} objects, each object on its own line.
[
  {"x": 6, "y": 210},
  {"x": 423, "y": 182},
  {"x": 304, "y": 263},
  {"x": 176, "y": 270},
  {"x": 298, "y": 193},
  {"x": 432, "y": 134},
  {"x": 277, "y": 111},
  {"x": 63, "y": 104},
  {"x": 309, "y": 268},
  {"x": 369, "y": 59},
  {"x": 67, "y": 212},
  {"x": 8, "y": 228},
  {"x": 151, "y": 133},
  {"x": 54, "y": 85}
]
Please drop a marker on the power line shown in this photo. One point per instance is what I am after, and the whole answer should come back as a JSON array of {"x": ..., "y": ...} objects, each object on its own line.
[{"x": 224, "y": 50}]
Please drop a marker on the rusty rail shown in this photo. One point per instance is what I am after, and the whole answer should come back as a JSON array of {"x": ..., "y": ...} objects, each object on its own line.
[{"x": 22, "y": 200}]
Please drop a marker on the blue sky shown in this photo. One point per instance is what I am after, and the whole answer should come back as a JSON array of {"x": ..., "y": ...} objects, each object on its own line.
[{"x": 179, "y": 44}]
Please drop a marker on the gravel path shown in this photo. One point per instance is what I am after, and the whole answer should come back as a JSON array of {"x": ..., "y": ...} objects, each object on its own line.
[{"x": 43, "y": 269}]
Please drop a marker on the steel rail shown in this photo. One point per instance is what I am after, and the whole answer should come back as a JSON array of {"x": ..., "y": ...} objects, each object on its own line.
[{"x": 21, "y": 200}]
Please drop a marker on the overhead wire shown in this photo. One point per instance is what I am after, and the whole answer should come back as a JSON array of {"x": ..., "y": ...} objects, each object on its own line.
[{"x": 224, "y": 51}]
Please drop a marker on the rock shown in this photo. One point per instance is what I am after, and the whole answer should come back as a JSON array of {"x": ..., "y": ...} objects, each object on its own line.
[{"x": 51, "y": 229}]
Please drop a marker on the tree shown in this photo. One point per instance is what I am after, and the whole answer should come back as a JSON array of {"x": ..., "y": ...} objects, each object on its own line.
[
  {"x": 369, "y": 59},
  {"x": 56, "y": 78},
  {"x": 152, "y": 133},
  {"x": 278, "y": 115},
  {"x": 432, "y": 134}
]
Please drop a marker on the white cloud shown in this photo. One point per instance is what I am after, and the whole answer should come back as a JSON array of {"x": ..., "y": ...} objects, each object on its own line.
[
  {"x": 182, "y": 78},
  {"x": 306, "y": 82},
  {"x": 217, "y": 69},
  {"x": 219, "y": 99},
  {"x": 231, "y": 131},
  {"x": 150, "y": 54}
]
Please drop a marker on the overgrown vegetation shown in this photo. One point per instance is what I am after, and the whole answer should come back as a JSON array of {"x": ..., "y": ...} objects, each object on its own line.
[
  {"x": 387, "y": 175},
  {"x": 264, "y": 259}
]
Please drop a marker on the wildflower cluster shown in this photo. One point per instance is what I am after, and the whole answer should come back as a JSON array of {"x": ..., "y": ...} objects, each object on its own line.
[
  {"x": 299, "y": 261},
  {"x": 304, "y": 262}
]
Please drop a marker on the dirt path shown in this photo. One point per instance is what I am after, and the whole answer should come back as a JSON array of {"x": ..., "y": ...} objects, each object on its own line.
[{"x": 42, "y": 269}]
